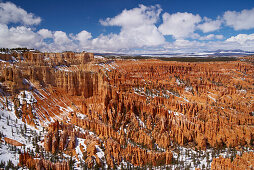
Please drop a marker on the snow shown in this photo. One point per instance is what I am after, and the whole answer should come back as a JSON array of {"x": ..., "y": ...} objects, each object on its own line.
[
  {"x": 212, "y": 98},
  {"x": 188, "y": 88},
  {"x": 108, "y": 66},
  {"x": 209, "y": 95},
  {"x": 175, "y": 113},
  {"x": 100, "y": 153},
  {"x": 178, "y": 82},
  {"x": 98, "y": 57},
  {"x": 77, "y": 149},
  {"x": 26, "y": 96},
  {"x": 81, "y": 116},
  {"x": 63, "y": 68},
  {"x": 6, "y": 154},
  {"x": 12, "y": 130},
  {"x": 141, "y": 123}
]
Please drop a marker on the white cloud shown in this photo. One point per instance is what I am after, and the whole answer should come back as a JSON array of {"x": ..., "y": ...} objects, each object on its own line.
[
  {"x": 229, "y": 45},
  {"x": 60, "y": 37},
  {"x": 210, "y": 25},
  {"x": 179, "y": 25},
  {"x": 219, "y": 37},
  {"x": 10, "y": 13},
  {"x": 61, "y": 42},
  {"x": 45, "y": 33},
  {"x": 83, "y": 37},
  {"x": 241, "y": 38},
  {"x": 19, "y": 37},
  {"x": 240, "y": 20},
  {"x": 142, "y": 15},
  {"x": 188, "y": 46},
  {"x": 138, "y": 32},
  {"x": 211, "y": 37},
  {"x": 137, "y": 29}
]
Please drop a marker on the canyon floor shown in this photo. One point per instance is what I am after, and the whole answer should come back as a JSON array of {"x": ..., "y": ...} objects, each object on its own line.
[{"x": 80, "y": 111}]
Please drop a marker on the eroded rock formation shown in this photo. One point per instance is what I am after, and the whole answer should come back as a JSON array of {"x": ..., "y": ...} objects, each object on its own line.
[
  {"x": 13, "y": 142},
  {"x": 27, "y": 160},
  {"x": 246, "y": 161},
  {"x": 133, "y": 111}
]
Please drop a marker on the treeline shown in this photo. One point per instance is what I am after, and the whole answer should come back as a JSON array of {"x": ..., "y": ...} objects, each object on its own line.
[
  {"x": 179, "y": 59},
  {"x": 15, "y": 49}
]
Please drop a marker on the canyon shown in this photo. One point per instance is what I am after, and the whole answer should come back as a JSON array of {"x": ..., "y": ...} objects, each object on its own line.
[{"x": 95, "y": 112}]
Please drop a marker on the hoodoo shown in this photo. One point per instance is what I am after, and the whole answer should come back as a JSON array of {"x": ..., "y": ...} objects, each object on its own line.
[{"x": 65, "y": 110}]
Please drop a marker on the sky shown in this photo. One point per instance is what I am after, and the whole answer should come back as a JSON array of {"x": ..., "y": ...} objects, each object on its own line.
[{"x": 128, "y": 26}]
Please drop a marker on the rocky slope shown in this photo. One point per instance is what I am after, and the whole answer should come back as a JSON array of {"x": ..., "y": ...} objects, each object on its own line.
[{"x": 96, "y": 112}]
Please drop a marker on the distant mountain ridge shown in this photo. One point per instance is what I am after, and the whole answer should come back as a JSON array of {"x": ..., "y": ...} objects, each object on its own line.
[{"x": 216, "y": 53}]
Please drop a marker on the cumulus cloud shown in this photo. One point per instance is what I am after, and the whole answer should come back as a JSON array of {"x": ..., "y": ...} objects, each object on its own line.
[
  {"x": 138, "y": 29},
  {"x": 83, "y": 37},
  {"x": 142, "y": 15},
  {"x": 210, "y": 25},
  {"x": 187, "y": 46},
  {"x": 241, "y": 38},
  {"x": 60, "y": 37},
  {"x": 45, "y": 33},
  {"x": 179, "y": 25},
  {"x": 138, "y": 32},
  {"x": 211, "y": 37},
  {"x": 240, "y": 20},
  {"x": 19, "y": 37},
  {"x": 10, "y": 13},
  {"x": 61, "y": 42}
]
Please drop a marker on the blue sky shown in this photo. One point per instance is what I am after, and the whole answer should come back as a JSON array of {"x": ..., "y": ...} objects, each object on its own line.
[{"x": 128, "y": 26}]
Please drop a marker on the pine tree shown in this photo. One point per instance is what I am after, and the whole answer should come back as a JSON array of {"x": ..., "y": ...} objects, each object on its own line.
[
  {"x": 9, "y": 165},
  {"x": 71, "y": 162},
  {"x": 37, "y": 149},
  {"x": 6, "y": 102},
  {"x": 24, "y": 95},
  {"x": 25, "y": 127},
  {"x": 2, "y": 164}
]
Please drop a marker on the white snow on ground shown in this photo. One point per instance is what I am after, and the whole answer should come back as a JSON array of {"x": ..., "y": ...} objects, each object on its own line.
[
  {"x": 108, "y": 66},
  {"x": 98, "y": 57},
  {"x": 2, "y": 61},
  {"x": 26, "y": 96},
  {"x": 78, "y": 150},
  {"x": 141, "y": 123},
  {"x": 156, "y": 93},
  {"x": 63, "y": 68},
  {"x": 6, "y": 154},
  {"x": 175, "y": 113},
  {"x": 12, "y": 128},
  {"x": 188, "y": 88},
  {"x": 198, "y": 158},
  {"x": 81, "y": 116},
  {"x": 25, "y": 81},
  {"x": 178, "y": 82},
  {"x": 100, "y": 153},
  {"x": 212, "y": 98}
]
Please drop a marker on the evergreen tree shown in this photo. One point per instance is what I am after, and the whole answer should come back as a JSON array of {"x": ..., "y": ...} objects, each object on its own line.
[
  {"x": 6, "y": 102},
  {"x": 71, "y": 162},
  {"x": 9, "y": 165},
  {"x": 2, "y": 164},
  {"x": 24, "y": 95}
]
